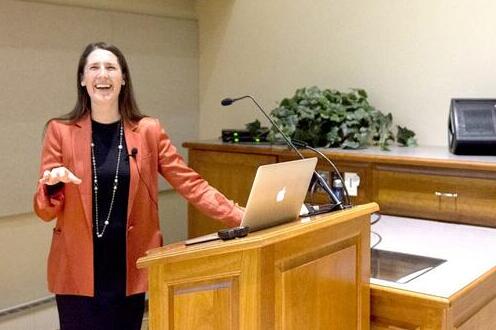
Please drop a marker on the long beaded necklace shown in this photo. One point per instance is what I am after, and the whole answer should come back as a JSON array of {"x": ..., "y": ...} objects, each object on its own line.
[{"x": 99, "y": 233}]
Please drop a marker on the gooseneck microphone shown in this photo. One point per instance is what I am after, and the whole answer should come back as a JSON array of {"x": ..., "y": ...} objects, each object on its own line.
[{"x": 316, "y": 176}]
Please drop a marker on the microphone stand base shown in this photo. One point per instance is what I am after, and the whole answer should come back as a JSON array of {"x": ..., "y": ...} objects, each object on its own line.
[{"x": 319, "y": 209}]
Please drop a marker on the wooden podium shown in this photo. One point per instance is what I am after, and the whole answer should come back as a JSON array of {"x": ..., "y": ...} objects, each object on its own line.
[{"x": 308, "y": 274}]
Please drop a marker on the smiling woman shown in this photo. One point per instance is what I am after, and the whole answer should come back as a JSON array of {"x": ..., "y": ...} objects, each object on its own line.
[{"x": 97, "y": 183}]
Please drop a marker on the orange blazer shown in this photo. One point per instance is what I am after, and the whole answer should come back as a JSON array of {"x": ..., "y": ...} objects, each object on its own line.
[{"x": 70, "y": 260}]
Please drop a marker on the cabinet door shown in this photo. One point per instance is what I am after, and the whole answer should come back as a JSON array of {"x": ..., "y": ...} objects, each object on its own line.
[
  {"x": 230, "y": 173},
  {"x": 441, "y": 194},
  {"x": 477, "y": 201}
]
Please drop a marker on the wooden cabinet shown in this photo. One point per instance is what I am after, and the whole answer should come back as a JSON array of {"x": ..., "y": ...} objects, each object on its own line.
[
  {"x": 432, "y": 193},
  {"x": 445, "y": 188}
]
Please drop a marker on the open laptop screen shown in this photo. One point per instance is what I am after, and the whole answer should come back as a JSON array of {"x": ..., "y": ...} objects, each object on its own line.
[{"x": 277, "y": 194}]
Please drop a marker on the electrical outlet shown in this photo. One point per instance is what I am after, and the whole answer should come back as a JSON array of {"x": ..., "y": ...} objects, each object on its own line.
[{"x": 352, "y": 181}]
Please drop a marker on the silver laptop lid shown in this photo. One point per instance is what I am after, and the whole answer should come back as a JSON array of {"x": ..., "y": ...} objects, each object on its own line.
[{"x": 277, "y": 193}]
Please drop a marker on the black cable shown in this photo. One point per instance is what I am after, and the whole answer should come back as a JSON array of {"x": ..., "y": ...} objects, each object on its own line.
[
  {"x": 379, "y": 239},
  {"x": 373, "y": 222},
  {"x": 312, "y": 189},
  {"x": 144, "y": 182},
  {"x": 306, "y": 145},
  {"x": 347, "y": 195}
]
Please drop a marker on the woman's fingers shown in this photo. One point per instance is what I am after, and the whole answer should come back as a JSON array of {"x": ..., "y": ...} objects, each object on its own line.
[
  {"x": 72, "y": 178},
  {"x": 59, "y": 174},
  {"x": 45, "y": 177}
]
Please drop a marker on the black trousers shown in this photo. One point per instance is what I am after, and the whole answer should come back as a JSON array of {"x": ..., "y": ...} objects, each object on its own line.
[{"x": 89, "y": 313}]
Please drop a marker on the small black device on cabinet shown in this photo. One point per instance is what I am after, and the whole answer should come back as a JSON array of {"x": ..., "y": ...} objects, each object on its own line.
[{"x": 244, "y": 135}]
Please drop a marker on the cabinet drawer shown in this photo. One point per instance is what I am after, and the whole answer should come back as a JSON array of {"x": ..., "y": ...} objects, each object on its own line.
[{"x": 436, "y": 194}]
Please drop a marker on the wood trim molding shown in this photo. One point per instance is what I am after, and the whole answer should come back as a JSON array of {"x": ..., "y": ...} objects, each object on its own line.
[{"x": 162, "y": 8}]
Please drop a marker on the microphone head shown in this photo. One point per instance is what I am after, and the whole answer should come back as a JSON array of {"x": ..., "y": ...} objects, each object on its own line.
[
  {"x": 134, "y": 152},
  {"x": 227, "y": 101}
]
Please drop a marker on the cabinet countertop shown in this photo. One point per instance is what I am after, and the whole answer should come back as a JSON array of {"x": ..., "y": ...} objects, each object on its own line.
[
  {"x": 438, "y": 156},
  {"x": 469, "y": 251}
]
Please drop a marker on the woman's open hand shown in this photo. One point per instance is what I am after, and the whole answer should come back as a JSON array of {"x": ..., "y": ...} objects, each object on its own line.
[{"x": 59, "y": 174}]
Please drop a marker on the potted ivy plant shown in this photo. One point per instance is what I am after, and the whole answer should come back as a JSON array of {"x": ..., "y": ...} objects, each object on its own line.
[{"x": 330, "y": 118}]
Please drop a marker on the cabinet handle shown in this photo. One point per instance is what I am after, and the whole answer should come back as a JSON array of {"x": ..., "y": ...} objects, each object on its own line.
[{"x": 446, "y": 194}]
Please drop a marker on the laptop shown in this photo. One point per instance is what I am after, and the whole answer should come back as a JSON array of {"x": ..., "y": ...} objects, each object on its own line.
[{"x": 276, "y": 196}]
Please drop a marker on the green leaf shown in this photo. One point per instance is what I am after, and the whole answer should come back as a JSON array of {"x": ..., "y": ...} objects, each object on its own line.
[
  {"x": 349, "y": 144},
  {"x": 361, "y": 92},
  {"x": 253, "y": 127},
  {"x": 405, "y": 137}
]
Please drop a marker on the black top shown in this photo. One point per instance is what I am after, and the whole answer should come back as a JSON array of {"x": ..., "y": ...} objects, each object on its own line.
[{"x": 110, "y": 250}]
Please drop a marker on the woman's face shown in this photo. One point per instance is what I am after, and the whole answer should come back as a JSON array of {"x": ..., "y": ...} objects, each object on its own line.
[{"x": 102, "y": 77}]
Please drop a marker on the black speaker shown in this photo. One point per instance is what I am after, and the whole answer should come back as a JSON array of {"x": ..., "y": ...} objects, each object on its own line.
[{"x": 472, "y": 127}]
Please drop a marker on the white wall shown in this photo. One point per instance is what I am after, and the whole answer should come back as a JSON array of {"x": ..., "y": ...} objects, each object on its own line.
[
  {"x": 40, "y": 44},
  {"x": 411, "y": 56}
]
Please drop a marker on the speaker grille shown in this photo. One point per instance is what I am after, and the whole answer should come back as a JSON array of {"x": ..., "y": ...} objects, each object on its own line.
[{"x": 479, "y": 122}]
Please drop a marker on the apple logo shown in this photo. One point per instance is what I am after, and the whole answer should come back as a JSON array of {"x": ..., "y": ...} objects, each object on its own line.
[{"x": 280, "y": 195}]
